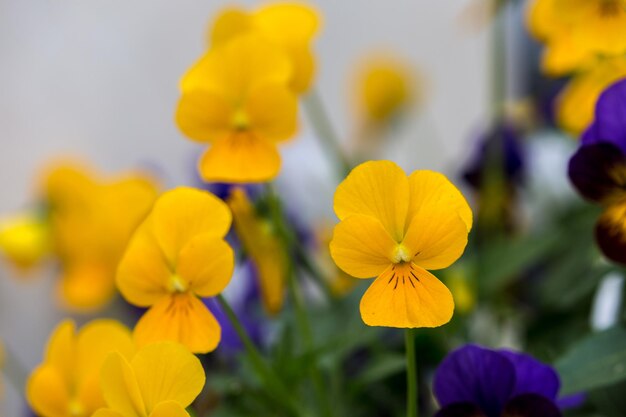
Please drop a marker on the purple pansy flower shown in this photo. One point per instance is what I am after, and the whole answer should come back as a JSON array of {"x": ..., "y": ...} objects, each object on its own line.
[
  {"x": 474, "y": 381},
  {"x": 598, "y": 170}
]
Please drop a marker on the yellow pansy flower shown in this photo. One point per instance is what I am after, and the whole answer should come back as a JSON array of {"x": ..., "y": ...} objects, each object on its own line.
[
  {"x": 161, "y": 380},
  {"x": 290, "y": 26},
  {"x": 177, "y": 255},
  {"x": 385, "y": 88},
  {"x": 339, "y": 282},
  {"x": 90, "y": 222},
  {"x": 24, "y": 239},
  {"x": 578, "y": 31},
  {"x": 576, "y": 103},
  {"x": 236, "y": 98},
  {"x": 67, "y": 383},
  {"x": 395, "y": 228},
  {"x": 263, "y": 247}
]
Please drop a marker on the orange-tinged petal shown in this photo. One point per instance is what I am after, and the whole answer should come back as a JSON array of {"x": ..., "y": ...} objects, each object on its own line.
[
  {"x": 204, "y": 115},
  {"x": 143, "y": 272},
  {"x": 87, "y": 285},
  {"x": 183, "y": 213},
  {"x": 430, "y": 189},
  {"x": 120, "y": 388},
  {"x": 61, "y": 350},
  {"x": 167, "y": 371},
  {"x": 436, "y": 238},
  {"x": 106, "y": 412},
  {"x": 407, "y": 296},
  {"x": 231, "y": 22},
  {"x": 206, "y": 263},
  {"x": 179, "y": 318},
  {"x": 379, "y": 189},
  {"x": 169, "y": 409},
  {"x": 47, "y": 392},
  {"x": 361, "y": 246},
  {"x": 564, "y": 56},
  {"x": 240, "y": 158},
  {"x": 273, "y": 112}
]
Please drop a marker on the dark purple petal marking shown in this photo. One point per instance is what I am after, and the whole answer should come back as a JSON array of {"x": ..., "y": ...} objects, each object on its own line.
[
  {"x": 531, "y": 405},
  {"x": 460, "y": 410},
  {"x": 599, "y": 172},
  {"x": 611, "y": 233}
]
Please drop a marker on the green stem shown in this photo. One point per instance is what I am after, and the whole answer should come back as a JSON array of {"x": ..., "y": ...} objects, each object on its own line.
[
  {"x": 301, "y": 316},
  {"x": 411, "y": 374},
  {"x": 324, "y": 131},
  {"x": 263, "y": 370}
]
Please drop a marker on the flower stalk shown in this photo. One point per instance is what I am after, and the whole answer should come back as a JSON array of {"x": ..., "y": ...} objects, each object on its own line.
[{"x": 411, "y": 374}]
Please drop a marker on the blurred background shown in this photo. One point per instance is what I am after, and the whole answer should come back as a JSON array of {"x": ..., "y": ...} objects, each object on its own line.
[{"x": 98, "y": 80}]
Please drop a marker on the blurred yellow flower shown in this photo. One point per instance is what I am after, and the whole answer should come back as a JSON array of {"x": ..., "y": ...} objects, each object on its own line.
[
  {"x": 462, "y": 290},
  {"x": 236, "y": 98},
  {"x": 339, "y": 282},
  {"x": 290, "y": 26},
  {"x": 577, "y": 31},
  {"x": 24, "y": 240},
  {"x": 90, "y": 222},
  {"x": 161, "y": 380},
  {"x": 177, "y": 255},
  {"x": 263, "y": 247},
  {"x": 67, "y": 383},
  {"x": 395, "y": 227},
  {"x": 576, "y": 103},
  {"x": 385, "y": 89}
]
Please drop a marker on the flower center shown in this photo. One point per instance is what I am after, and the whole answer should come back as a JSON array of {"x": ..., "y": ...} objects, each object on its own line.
[
  {"x": 401, "y": 254},
  {"x": 610, "y": 8},
  {"x": 176, "y": 284},
  {"x": 240, "y": 120},
  {"x": 75, "y": 408}
]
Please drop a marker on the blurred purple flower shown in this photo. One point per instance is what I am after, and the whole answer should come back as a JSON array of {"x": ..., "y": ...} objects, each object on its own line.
[
  {"x": 507, "y": 138},
  {"x": 474, "y": 381}
]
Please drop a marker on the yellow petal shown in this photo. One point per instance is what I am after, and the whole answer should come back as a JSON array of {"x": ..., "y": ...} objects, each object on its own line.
[
  {"x": 577, "y": 101},
  {"x": 431, "y": 189},
  {"x": 263, "y": 246},
  {"x": 61, "y": 350},
  {"x": 379, "y": 189},
  {"x": 87, "y": 285},
  {"x": 144, "y": 271},
  {"x": 304, "y": 68},
  {"x": 564, "y": 56},
  {"x": 183, "y": 213},
  {"x": 168, "y": 372},
  {"x": 179, "y": 318},
  {"x": 206, "y": 263},
  {"x": 47, "y": 392},
  {"x": 436, "y": 238},
  {"x": 169, "y": 409},
  {"x": 361, "y": 246},
  {"x": 407, "y": 296},
  {"x": 120, "y": 388},
  {"x": 24, "y": 240},
  {"x": 231, "y": 22},
  {"x": 235, "y": 68},
  {"x": 273, "y": 111},
  {"x": 240, "y": 158},
  {"x": 106, "y": 412},
  {"x": 287, "y": 23},
  {"x": 204, "y": 115}
]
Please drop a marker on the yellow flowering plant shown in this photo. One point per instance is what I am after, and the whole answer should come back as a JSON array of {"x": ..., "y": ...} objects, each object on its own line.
[
  {"x": 175, "y": 256},
  {"x": 67, "y": 382}
]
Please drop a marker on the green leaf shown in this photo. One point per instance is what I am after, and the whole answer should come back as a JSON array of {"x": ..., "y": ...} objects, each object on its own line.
[
  {"x": 384, "y": 367},
  {"x": 597, "y": 361}
]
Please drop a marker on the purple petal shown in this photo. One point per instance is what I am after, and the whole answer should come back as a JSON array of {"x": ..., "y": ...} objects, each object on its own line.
[
  {"x": 476, "y": 375},
  {"x": 531, "y": 405},
  {"x": 533, "y": 377},
  {"x": 599, "y": 172},
  {"x": 611, "y": 233},
  {"x": 610, "y": 117},
  {"x": 460, "y": 410},
  {"x": 572, "y": 401}
]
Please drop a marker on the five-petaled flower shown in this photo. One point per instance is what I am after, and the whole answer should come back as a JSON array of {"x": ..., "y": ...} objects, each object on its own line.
[
  {"x": 177, "y": 255},
  {"x": 67, "y": 383},
  {"x": 598, "y": 170},
  {"x": 161, "y": 380},
  {"x": 395, "y": 227},
  {"x": 237, "y": 98}
]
